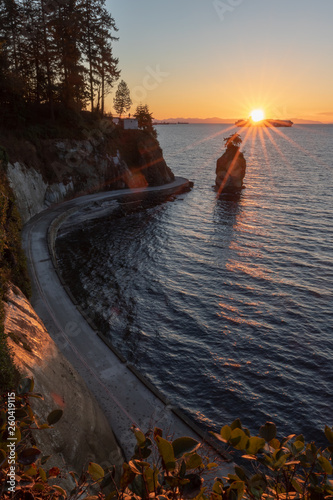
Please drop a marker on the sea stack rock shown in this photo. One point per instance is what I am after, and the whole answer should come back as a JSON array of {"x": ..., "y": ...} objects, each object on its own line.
[{"x": 230, "y": 167}]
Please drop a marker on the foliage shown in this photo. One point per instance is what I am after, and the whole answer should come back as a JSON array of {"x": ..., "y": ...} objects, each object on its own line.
[
  {"x": 233, "y": 141},
  {"x": 286, "y": 469},
  {"x": 281, "y": 469},
  {"x": 161, "y": 468},
  {"x": 18, "y": 452},
  {"x": 122, "y": 101},
  {"x": 145, "y": 119}
]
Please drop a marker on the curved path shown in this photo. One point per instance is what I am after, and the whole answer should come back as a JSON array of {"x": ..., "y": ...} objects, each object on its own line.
[{"x": 124, "y": 396}]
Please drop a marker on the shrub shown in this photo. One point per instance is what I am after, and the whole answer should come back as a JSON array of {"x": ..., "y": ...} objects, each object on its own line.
[{"x": 170, "y": 469}]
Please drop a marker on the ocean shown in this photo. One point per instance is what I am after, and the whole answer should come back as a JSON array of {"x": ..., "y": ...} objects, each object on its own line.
[{"x": 225, "y": 305}]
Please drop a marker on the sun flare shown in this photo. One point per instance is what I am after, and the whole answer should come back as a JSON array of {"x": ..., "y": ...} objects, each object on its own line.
[{"x": 257, "y": 115}]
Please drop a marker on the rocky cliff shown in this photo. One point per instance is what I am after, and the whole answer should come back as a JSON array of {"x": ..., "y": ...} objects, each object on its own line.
[
  {"x": 230, "y": 170},
  {"x": 46, "y": 171},
  {"x": 83, "y": 433}
]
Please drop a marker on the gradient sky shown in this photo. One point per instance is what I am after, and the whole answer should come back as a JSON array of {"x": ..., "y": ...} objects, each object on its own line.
[{"x": 206, "y": 58}]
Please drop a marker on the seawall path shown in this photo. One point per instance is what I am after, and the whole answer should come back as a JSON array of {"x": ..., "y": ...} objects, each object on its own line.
[{"x": 123, "y": 394}]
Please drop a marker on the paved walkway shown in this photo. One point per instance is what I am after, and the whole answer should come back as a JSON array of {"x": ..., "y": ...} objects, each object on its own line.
[{"x": 122, "y": 395}]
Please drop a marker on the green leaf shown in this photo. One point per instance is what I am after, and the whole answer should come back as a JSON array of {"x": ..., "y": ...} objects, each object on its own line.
[
  {"x": 42, "y": 474},
  {"x": 218, "y": 487},
  {"x": 268, "y": 431},
  {"x": 138, "y": 487},
  {"x": 325, "y": 465},
  {"x": 184, "y": 445},
  {"x": 32, "y": 471},
  {"x": 275, "y": 443},
  {"x": 212, "y": 465},
  {"x": 95, "y": 471},
  {"x": 54, "y": 416},
  {"x": 140, "y": 437},
  {"x": 280, "y": 462},
  {"x": 257, "y": 485},
  {"x": 329, "y": 433},
  {"x": 225, "y": 433},
  {"x": 297, "y": 485},
  {"x": 151, "y": 477},
  {"x": 60, "y": 490},
  {"x": 166, "y": 451},
  {"x": 238, "y": 439},
  {"x": 239, "y": 486},
  {"x": 299, "y": 445},
  {"x": 28, "y": 456},
  {"x": 237, "y": 424},
  {"x": 240, "y": 473},
  {"x": 255, "y": 444},
  {"x": 193, "y": 461},
  {"x": 38, "y": 487}
]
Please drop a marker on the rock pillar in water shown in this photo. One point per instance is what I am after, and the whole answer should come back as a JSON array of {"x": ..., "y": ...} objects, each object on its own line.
[{"x": 230, "y": 170}]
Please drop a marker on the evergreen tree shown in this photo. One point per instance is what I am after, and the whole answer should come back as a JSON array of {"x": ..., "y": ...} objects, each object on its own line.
[
  {"x": 122, "y": 101},
  {"x": 56, "y": 51},
  {"x": 145, "y": 119},
  {"x": 72, "y": 89}
]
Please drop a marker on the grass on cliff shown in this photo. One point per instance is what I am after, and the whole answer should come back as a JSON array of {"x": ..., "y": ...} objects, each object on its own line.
[{"x": 12, "y": 267}]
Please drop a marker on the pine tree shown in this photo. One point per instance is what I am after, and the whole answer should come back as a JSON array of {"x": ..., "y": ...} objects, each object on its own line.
[
  {"x": 122, "y": 101},
  {"x": 145, "y": 119},
  {"x": 56, "y": 51}
]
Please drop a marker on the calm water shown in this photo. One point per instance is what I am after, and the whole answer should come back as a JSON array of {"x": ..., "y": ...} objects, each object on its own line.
[{"x": 225, "y": 305}]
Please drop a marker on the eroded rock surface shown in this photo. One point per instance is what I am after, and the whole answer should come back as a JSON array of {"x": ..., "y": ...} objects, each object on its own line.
[
  {"x": 60, "y": 169},
  {"x": 83, "y": 433},
  {"x": 230, "y": 170}
]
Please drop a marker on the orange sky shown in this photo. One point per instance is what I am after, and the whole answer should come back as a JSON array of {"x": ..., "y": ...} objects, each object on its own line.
[{"x": 195, "y": 58}]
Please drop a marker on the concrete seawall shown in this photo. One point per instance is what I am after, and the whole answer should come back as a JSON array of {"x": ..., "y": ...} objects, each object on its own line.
[{"x": 125, "y": 396}]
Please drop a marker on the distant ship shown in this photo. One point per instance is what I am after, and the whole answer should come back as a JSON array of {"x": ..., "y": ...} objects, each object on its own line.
[{"x": 264, "y": 123}]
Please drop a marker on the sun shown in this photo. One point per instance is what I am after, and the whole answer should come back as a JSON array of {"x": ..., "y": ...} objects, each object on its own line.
[{"x": 257, "y": 115}]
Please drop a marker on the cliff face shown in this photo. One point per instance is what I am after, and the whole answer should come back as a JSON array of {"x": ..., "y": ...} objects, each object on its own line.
[
  {"x": 83, "y": 433},
  {"x": 230, "y": 170},
  {"x": 52, "y": 170}
]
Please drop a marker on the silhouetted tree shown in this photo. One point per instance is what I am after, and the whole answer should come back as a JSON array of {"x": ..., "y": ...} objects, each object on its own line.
[
  {"x": 145, "y": 119},
  {"x": 234, "y": 140},
  {"x": 122, "y": 101},
  {"x": 56, "y": 51}
]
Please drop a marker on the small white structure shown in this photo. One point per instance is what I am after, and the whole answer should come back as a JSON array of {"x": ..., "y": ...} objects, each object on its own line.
[{"x": 130, "y": 123}]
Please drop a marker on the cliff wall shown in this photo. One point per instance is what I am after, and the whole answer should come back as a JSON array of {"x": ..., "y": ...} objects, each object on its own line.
[
  {"x": 83, "y": 433},
  {"x": 47, "y": 171}
]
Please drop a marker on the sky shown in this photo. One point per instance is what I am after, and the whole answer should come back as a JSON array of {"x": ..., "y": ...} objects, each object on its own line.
[{"x": 224, "y": 58}]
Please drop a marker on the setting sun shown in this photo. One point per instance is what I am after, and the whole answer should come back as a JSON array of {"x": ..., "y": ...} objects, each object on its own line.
[{"x": 257, "y": 115}]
